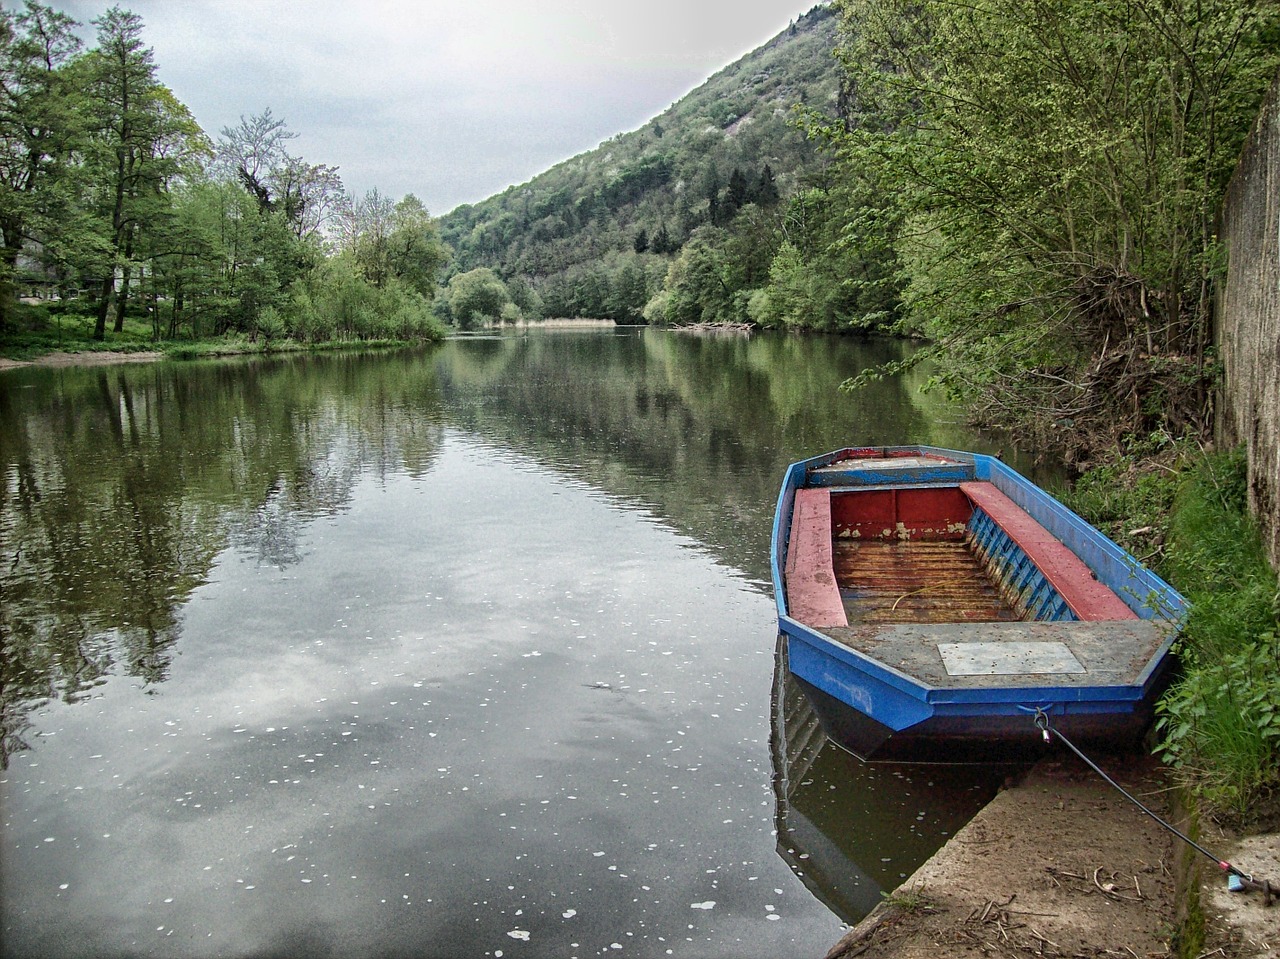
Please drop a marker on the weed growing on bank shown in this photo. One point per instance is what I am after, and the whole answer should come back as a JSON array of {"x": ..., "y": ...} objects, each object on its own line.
[
  {"x": 1186, "y": 513},
  {"x": 1220, "y": 723}
]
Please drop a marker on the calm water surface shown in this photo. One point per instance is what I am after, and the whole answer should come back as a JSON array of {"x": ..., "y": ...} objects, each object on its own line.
[{"x": 467, "y": 652}]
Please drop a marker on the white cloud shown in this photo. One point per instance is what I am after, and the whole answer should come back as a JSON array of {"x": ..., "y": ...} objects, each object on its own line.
[{"x": 451, "y": 101}]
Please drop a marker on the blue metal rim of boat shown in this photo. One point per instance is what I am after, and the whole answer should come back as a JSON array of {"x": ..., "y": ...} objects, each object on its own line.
[{"x": 826, "y": 663}]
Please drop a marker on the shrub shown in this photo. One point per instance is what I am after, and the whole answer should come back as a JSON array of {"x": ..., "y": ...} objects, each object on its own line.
[{"x": 1220, "y": 721}]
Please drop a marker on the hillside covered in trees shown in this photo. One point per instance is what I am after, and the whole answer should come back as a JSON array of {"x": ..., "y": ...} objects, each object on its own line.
[{"x": 701, "y": 185}]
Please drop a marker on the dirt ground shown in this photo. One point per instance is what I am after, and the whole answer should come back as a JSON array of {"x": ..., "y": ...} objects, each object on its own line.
[
  {"x": 1062, "y": 865},
  {"x": 103, "y": 358}
]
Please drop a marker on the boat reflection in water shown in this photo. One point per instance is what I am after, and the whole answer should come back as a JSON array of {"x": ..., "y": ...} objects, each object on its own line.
[{"x": 853, "y": 831}]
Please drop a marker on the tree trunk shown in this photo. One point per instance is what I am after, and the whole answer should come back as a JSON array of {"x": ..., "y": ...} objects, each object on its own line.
[
  {"x": 8, "y": 288},
  {"x": 105, "y": 299},
  {"x": 122, "y": 296}
]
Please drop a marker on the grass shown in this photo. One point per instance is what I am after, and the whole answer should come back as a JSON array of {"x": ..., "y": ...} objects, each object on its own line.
[
  {"x": 40, "y": 332},
  {"x": 1219, "y": 722},
  {"x": 909, "y": 900}
]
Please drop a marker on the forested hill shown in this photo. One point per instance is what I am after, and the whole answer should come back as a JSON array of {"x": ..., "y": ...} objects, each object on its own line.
[{"x": 594, "y": 235}]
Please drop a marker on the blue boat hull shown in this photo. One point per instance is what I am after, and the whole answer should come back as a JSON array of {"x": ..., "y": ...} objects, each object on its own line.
[
  {"x": 874, "y": 704},
  {"x": 978, "y": 737}
]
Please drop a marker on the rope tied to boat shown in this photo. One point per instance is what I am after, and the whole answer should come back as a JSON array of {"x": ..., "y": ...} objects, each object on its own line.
[{"x": 1237, "y": 880}]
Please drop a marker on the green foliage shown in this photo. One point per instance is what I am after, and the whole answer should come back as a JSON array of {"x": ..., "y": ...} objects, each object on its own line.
[
  {"x": 1131, "y": 497},
  {"x": 109, "y": 186},
  {"x": 1053, "y": 171},
  {"x": 335, "y": 301},
  {"x": 1221, "y": 724},
  {"x": 477, "y": 297},
  {"x": 1220, "y": 720},
  {"x": 269, "y": 326},
  {"x": 1217, "y": 557},
  {"x": 397, "y": 241},
  {"x": 586, "y": 232}
]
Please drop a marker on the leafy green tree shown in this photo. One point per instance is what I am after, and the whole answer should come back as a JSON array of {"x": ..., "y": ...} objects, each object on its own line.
[
  {"x": 40, "y": 123},
  {"x": 476, "y": 296},
  {"x": 335, "y": 301},
  {"x": 526, "y": 297},
  {"x": 765, "y": 192},
  {"x": 662, "y": 242},
  {"x": 396, "y": 240},
  {"x": 1056, "y": 168},
  {"x": 140, "y": 141},
  {"x": 697, "y": 282}
]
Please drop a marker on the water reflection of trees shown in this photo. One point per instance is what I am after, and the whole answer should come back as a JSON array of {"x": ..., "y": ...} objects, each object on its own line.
[
  {"x": 123, "y": 484},
  {"x": 698, "y": 429}
]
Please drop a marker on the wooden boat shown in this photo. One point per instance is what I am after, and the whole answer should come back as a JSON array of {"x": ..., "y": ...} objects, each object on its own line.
[{"x": 935, "y": 603}]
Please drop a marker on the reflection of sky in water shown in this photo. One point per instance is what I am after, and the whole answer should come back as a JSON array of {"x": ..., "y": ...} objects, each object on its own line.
[{"x": 477, "y": 704}]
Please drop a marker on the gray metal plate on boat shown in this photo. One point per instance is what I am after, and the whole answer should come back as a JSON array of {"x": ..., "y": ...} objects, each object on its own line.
[{"x": 1007, "y": 659}]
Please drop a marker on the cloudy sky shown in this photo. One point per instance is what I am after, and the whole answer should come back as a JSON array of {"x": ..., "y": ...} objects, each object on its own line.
[{"x": 450, "y": 101}]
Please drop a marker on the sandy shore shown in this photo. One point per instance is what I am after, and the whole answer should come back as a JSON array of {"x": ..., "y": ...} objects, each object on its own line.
[
  {"x": 1061, "y": 866},
  {"x": 92, "y": 358}
]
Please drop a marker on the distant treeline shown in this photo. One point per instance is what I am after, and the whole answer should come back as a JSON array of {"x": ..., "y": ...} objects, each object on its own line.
[{"x": 113, "y": 202}]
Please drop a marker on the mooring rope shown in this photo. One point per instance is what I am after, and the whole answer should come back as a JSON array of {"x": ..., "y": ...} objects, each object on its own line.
[{"x": 1244, "y": 879}]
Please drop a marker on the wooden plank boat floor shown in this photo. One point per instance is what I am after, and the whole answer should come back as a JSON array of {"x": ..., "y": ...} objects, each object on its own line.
[
  {"x": 916, "y": 582},
  {"x": 1112, "y": 653}
]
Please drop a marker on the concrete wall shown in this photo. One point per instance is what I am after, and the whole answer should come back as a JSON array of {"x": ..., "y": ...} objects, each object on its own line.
[{"x": 1248, "y": 317}]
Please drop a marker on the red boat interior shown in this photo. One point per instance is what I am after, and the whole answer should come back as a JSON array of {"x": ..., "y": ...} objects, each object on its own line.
[{"x": 906, "y": 555}]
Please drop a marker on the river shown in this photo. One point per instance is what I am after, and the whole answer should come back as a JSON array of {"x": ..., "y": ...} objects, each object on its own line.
[{"x": 467, "y": 651}]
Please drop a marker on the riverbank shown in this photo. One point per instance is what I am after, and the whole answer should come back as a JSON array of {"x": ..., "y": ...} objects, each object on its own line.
[
  {"x": 1061, "y": 865},
  {"x": 204, "y": 349},
  {"x": 98, "y": 358}
]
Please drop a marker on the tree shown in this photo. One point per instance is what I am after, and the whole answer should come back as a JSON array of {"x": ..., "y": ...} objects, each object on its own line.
[
  {"x": 250, "y": 152},
  {"x": 141, "y": 139},
  {"x": 395, "y": 241},
  {"x": 415, "y": 250},
  {"x": 736, "y": 195},
  {"x": 662, "y": 241},
  {"x": 309, "y": 196},
  {"x": 476, "y": 296},
  {"x": 1032, "y": 258},
  {"x": 765, "y": 192},
  {"x": 40, "y": 121},
  {"x": 697, "y": 281}
]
